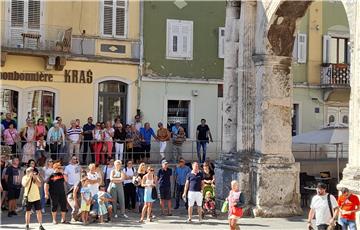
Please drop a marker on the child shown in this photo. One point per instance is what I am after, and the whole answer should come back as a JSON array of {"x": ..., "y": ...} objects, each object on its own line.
[
  {"x": 106, "y": 199},
  {"x": 40, "y": 149},
  {"x": 85, "y": 201},
  {"x": 102, "y": 205},
  {"x": 209, "y": 204}
]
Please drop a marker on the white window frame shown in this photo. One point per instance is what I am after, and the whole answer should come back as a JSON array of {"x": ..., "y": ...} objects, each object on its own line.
[
  {"x": 182, "y": 55},
  {"x": 113, "y": 35},
  {"x": 326, "y": 46},
  {"x": 221, "y": 43},
  {"x": 301, "y": 48},
  {"x": 25, "y": 28}
]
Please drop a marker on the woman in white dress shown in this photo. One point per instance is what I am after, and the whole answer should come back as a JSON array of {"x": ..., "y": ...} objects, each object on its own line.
[{"x": 29, "y": 135}]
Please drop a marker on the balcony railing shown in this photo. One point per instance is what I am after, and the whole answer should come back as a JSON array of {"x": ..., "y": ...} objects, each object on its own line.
[
  {"x": 335, "y": 75},
  {"x": 46, "y": 38}
]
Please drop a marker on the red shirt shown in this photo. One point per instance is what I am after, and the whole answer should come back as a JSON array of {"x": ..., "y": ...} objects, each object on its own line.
[{"x": 351, "y": 204}]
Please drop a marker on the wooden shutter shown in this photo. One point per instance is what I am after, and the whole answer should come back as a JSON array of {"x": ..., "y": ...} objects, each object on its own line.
[
  {"x": 120, "y": 18},
  {"x": 295, "y": 49},
  {"x": 179, "y": 39},
  {"x": 186, "y": 35},
  {"x": 326, "y": 48},
  {"x": 173, "y": 35},
  {"x": 302, "y": 48},
  {"x": 108, "y": 18},
  {"x": 17, "y": 24},
  {"x": 34, "y": 14},
  {"x": 221, "y": 42}
]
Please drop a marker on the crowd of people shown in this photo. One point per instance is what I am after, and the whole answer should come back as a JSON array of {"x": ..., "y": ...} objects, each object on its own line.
[{"x": 42, "y": 139}]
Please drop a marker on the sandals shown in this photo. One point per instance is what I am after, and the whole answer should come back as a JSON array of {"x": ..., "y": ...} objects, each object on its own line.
[
  {"x": 65, "y": 222},
  {"x": 141, "y": 221}
]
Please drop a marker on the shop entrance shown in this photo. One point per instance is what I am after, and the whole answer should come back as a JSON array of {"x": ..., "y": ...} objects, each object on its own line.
[{"x": 112, "y": 101}]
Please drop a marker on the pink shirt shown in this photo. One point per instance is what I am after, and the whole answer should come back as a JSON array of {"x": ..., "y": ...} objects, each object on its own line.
[
  {"x": 10, "y": 136},
  {"x": 233, "y": 197}
]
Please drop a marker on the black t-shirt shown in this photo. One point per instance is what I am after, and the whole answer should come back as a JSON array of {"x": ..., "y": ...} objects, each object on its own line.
[
  {"x": 119, "y": 135},
  {"x": 202, "y": 132},
  {"x": 194, "y": 181},
  {"x": 14, "y": 180},
  {"x": 164, "y": 177},
  {"x": 56, "y": 183}
]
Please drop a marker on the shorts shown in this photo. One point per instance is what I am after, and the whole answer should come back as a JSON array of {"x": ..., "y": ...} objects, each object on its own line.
[
  {"x": 57, "y": 200},
  {"x": 195, "y": 197},
  {"x": 13, "y": 193},
  {"x": 35, "y": 204},
  {"x": 165, "y": 193}
]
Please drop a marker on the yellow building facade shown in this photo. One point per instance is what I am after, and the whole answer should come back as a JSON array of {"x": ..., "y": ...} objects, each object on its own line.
[{"x": 72, "y": 59}]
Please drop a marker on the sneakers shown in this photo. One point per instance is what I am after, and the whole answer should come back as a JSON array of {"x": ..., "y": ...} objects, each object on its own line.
[
  {"x": 41, "y": 227},
  {"x": 125, "y": 216},
  {"x": 189, "y": 221},
  {"x": 27, "y": 227},
  {"x": 116, "y": 216}
]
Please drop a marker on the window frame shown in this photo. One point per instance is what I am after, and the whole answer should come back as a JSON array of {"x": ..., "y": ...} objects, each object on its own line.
[
  {"x": 113, "y": 35},
  {"x": 221, "y": 43},
  {"x": 190, "y": 53}
]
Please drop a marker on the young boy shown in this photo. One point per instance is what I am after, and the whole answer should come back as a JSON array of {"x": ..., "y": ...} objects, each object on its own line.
[{"x": 101, "y": 204}]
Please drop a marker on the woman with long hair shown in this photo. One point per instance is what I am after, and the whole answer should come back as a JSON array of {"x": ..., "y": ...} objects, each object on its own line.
[
  {"x": 117, "y": 177},
  {"x": 45, "y": 173},
  {"x": 139, "y": 188},
  {"x": 149, "y": 182}
]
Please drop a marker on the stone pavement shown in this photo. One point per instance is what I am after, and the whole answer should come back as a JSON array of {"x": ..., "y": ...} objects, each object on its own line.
[{"x": 177, "y": 221}]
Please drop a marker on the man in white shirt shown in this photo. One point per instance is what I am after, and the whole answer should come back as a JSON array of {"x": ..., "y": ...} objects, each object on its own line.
[
  {"x": 72, "y": 172},
  {"x": 320, "y": 208},
  {"x": 74, "y": 136},
  {"x": 129, "y": 187}
]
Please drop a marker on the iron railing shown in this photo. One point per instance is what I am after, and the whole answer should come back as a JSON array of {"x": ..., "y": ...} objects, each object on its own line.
[{"x": 335, "y": 75}]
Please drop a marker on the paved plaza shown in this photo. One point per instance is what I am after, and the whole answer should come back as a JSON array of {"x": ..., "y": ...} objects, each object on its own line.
[{"x": 177, "y": 221}]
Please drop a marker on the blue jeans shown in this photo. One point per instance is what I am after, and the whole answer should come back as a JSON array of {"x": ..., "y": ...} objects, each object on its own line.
[
  {"x": 345, "y": 223},
  {"x": 203, "y": 144},
  {"x": 140, "y": 192}
]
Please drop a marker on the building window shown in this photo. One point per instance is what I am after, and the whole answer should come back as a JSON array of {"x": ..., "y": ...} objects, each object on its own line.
[
  {"x": 337, "y": 116},
  {"x": 112, "y": 101},
  {"x": 331, "y": 119},
  {"x": 178, "y": 110},
  {"x": 114, "y": 15},
  {"x": 179, "y": 41},
  {"x": 295, "y": 120},
  {"x": 25, "y": 17},
  {"x": 42, "y": 104},
  {"x": 300, "y": 48},
  {"x": 345, "y": 120},
  {"x": 9, "y": 101},
  {"x": 221, "y": 43},
  {"x": 335, "y": 50}
]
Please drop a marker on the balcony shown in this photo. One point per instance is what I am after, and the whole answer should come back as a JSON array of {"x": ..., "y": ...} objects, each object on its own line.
[
  {"x": 42, "y": 41},
  {"x": 335, "y": 76}
]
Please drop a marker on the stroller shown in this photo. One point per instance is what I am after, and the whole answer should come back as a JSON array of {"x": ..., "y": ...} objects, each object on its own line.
[{"x": 209, "y": 206}]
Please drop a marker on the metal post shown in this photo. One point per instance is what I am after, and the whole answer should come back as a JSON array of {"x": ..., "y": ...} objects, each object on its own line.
[{"x": 337, "y": 162}]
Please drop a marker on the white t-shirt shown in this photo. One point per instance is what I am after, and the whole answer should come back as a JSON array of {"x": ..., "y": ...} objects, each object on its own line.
[
  {"x": 130, "y": 172},
  {"x": 321, "y": 207},
  {"x": 47, "y": 173},
  {"x": 73, "y": 173},
  {"x": 94, "y": 188}
]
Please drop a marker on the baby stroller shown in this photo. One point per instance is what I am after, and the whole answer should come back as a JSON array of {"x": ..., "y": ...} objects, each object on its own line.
[{"x": 209, "y": 206}]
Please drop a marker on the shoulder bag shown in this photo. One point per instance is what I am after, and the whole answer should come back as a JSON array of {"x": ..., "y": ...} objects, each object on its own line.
[
  {"x": 335, "y": 225},
  {"x": 25, "y": 200},
  {"x": 154, "y": 194}
]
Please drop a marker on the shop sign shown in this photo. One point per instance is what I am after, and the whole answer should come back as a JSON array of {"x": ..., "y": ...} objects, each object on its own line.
[{"x": 70, "y": 76}]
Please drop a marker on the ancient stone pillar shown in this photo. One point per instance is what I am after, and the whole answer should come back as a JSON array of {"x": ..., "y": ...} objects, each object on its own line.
[
  {"x": 274, "y": 172},
  {"x": 351, "y": 174},
  {"x": 230, "y": 105}
]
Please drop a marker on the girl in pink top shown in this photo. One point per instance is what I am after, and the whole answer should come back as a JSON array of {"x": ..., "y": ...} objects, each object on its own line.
[
  {"x": 11, "y": 136},
  {"x": 235, "y": 198},
  {"x": 40, "y": 129}
]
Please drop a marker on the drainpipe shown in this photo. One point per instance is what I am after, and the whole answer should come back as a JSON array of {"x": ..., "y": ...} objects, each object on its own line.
[{"x": 141, "y": 56}]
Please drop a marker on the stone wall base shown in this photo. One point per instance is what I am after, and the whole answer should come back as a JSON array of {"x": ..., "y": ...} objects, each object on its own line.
[{"x": 271, "y": 190}]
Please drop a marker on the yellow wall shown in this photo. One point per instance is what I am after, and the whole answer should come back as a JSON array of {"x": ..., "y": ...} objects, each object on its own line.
[
  {"x": 315, "y": 43},
  {"x": 75, "y": 100}
]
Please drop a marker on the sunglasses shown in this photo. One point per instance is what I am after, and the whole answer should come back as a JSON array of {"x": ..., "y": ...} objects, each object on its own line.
[
  {"x": 50, "y": 161},
  {"x": 75, "y": 159},
  {"x": 151, "y": 170}
]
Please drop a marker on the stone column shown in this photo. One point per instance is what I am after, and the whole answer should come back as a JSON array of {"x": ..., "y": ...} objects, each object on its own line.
[
  {"x": 230, "y": 104},
  {"x": 275, "y": 173},
  {"x": 351, "y": 174}
]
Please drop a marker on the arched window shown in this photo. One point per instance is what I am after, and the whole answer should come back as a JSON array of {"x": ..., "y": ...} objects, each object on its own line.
[
  {"x": 9, "y": 100},
  {"x": 42, "y": 104},
  {"x": 112, "y": 100},
  {"x": 345, "y": 119},
  {"x": 331, "y": 119}
]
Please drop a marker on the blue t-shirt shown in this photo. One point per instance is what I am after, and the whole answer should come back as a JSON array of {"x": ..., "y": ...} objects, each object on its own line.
[
  {"x": 88, "y": 127},
  {"x": 194, "y": 181},
  {"x": 95, "y": 206},
  {"x": 146, "y": 134},
  {"x": 181, "y": 174},
  {"x": 164, "y": 177}
]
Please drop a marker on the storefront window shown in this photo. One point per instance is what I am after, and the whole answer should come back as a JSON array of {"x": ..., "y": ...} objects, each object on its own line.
[
  {"x": 9, "y": 102},
  {"x": 42, "y": 104},
  {"x": 112, "y": 101},
  {"x": 178, "y": 110}
]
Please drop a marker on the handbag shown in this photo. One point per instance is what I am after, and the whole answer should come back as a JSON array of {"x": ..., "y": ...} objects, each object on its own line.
[
  {"x": 154, "y": 194},
  {"x": 238, "y": 212},
  {"x": 336, "y": 225},
  {"x": 25, "y": 200},
  {"x": 225, "y": 207}
]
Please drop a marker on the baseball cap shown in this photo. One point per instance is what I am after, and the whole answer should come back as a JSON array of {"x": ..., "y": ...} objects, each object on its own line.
[
  {"x": 164, "y": 162},
  {"x": 177, "y": 121}
]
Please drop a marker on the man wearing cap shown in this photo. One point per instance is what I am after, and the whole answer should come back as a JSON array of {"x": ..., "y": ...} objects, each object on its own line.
[
  {"x": 349, "y": 204},
  {"x": 163, "y": 136},
  {"x": 180, "y": 174},
  {"x": 164, "y": 179},
  {"x": 319, "y": 208}
]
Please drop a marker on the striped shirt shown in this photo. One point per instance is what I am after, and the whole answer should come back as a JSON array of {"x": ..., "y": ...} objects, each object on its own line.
[{"x": 74, "y": 134}]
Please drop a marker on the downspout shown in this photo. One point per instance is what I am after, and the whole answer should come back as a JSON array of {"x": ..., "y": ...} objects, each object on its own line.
[{"x": 141, "y": 56}]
